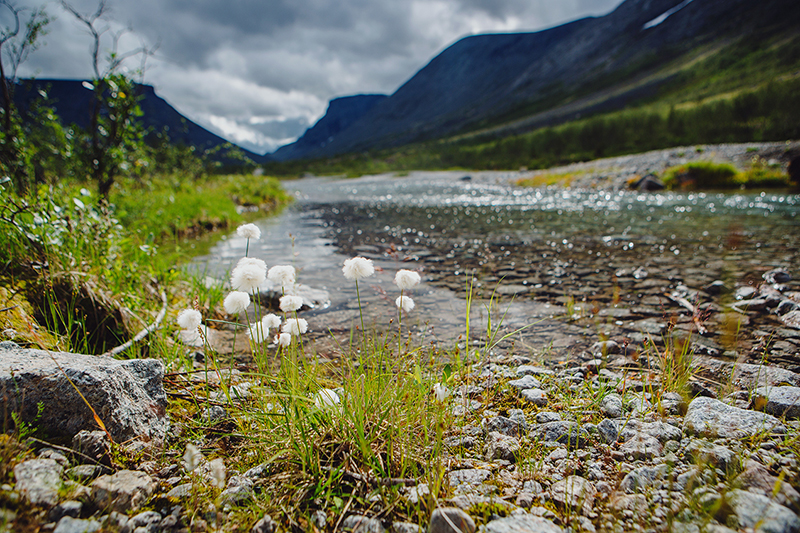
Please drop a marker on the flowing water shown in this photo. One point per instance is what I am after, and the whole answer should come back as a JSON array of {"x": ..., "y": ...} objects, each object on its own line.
[{"x": 579, "y": 264}]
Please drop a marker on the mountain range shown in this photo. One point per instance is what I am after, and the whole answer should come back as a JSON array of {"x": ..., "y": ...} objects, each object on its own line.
[{"x": 511, "y": 83}]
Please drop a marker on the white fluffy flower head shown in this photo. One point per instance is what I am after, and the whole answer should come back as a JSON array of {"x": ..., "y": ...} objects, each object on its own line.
[
  {"x": 283, "y": 275},
  {"x": 248, "y": 231},
  {"x": 290, "y": 303},
  {"x": 358, "y": 268},
  {"x": 271, "y": 321},
  {"x": 192, "y": 457},
  {"x": 405, "y": 303},
  {"x": 252, "y": 261},
  {"x": 406, "y": 279},
  {"x": 236, "y": 302},
  {"x": 295, "y": 326},
  {"x": 248, "y": 277},
  {"x": 217, "y": 468},
  {"x": 258, "y": 333},
  {"x": 284, "y": 339},
  {"x": 190, "y": 319},
  {"x": 440, "y": 392}
]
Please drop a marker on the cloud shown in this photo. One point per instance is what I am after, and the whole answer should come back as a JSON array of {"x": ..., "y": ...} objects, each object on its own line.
[{"x": 224, "y": 63}]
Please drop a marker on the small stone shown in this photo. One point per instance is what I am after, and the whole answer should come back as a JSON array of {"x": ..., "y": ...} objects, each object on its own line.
[
  {"x": 93, "y": 444},
  {"x": 757, "y": 511},
  {"x": 419, "y": 494},
  {"x": 603, "y": 348},
  {"x": 149, "y": 520},
  {"x": 506, "y": 426},
  {"x": 530, "y": 370},
  {"x": 608, "y": 430},
  {"x": 38, "y": 481},
  {"x": 642, "y": 478},
  {"x": 777, "y": 275},
  {"x": 68, "y": 508},
  {"x": 713, "y": 454},
  {"x": 450, "y": 520},
  {"x": 715, "y": 287},
  {"x": 543, "y": 417},
  {"x": 525, "y": 382},
  {"x": 535, "y": 396},
  {"x": 714, "y": 419},
  {"x": 405, "y": 527},
  {"x": 265, "y": 525},
  {"x": 791, "y": 319},
  {"x": 574, "y": 492},
  {"x": 658, "y": 430},
  {"x": 522, "y": 524},
  {"x": 611, "y": 405},
  {"x": 126, "y": 490},
  {"x": 756, "y": 478},
  {"x": 779, "y": 401},
  {"x": 501, "y": 446},
  {"x": 180, "y": 491},
  {"x": 74, "y": 525},
  {"x": 85, "y": 473},
  {"x": 468, "y": 477},
  {"x": 569, "y": 433},
  {"x": 642, "y": 447}
]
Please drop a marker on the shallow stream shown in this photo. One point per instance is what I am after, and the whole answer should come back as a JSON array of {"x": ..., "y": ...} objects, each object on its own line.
[{"x": 580, "y": 264}]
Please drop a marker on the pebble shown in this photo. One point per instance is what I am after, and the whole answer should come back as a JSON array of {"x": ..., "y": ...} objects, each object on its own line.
[{"x": 451, "y": 520}]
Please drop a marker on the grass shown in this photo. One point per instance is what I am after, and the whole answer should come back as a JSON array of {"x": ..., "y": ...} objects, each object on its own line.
[{"x": 710, "y": 175}]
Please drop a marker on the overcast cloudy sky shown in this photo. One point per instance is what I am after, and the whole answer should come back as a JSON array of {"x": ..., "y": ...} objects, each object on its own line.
[{"x": 259, "y": 72}]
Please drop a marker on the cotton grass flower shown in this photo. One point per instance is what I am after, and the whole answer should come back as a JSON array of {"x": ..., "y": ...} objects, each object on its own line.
[
  {"x": 248, "y": 231},
  {"x": 217, "y": 471},
  {"x": 406, "y": 279},
  {"x": 190, "y": 319},
  {"x": 248, "y": 277},
  {"x": 236, "y": 302},
  {"x": 405, "y": 303},
  {"x": 192, "y": 458},
  {"x": 290, "y": 303},
  {"x": 326, "y": 398},
  {"x": 252, "y": 261},
  {"x": 440, "y": 392},
  {"x": 271, "y": 321},
  {"x": 358, "y": 268},
  {"x": 283, "y": 275},
  {"x": 295, "y": 326},
  {"x": 284, "y": 339},
  {"x": 258, "y": 333}
]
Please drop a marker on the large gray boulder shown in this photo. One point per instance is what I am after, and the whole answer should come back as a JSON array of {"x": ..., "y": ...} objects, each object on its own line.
[
  {"x": 713, "y": 419},
  {"x": 128, "y": 395}
]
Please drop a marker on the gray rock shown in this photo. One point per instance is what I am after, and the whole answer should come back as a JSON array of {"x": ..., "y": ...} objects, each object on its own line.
[
  {"x": 149, "y": 520},
  {"x": 85, "y": 473},
  {"x": 756, "y": 478},
  {"x": 38, "y": 481},
  {"x": 270, "y": 295},
  {"x": 405, "y": 527},
  {"x": 642, "y": 447},
  {"x": 761, "y": 513},
  {"x": 525, "y": 382},
  {"x": 658, "y": 430},
  {"x": 642, "y": 478},
  {"x": 238, "y": 490},
  {"x": 608, "y": 430},
  {"x": 522, "y": 524},
  {"x": 673, "y": 404},
  {"x": 574, "y": 492},
  {"x": 569, "y": 433},
  {"x": 419, "y": 494},
  {"x": 749, "y": 376},
  {"x": 535, "y": 396},
  {"x": 68, "y": 508},
  {"x": 93, "y": 444},
  {"x": 126, "y": 490},
  {"x": 450, "y": 520},
  {"x": 530, "y": 370},
  {"x": 779, "y": 401},
  {"x": 501, "y": 446},
  {"x": 265, "y": 525},
  {"x": 543, "y": 417},
  {"x": 786, "y": 306},
  {"x": 127, "y": 395},
  {"x": 468, "y": 477},
  {"x": 777, "y": 275},
  {"x": 791, "y": 319},
  {"x": 714, "y": 419},
  {"x": 74, "y": 525},
  {"x": 611, "y": 406},
  {"x": 716, "y": 455},
  {"x": 180, "y": 491},
  {"x": 603, "y": 348},
  {"x": 506, "y": 426},
  {"x": 362, "y": 524}
]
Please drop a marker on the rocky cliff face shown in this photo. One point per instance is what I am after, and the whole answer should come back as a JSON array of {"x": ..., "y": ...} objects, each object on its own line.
[
  {"x": 551, "y": 75},
  {"x": 341, "y": 114}
]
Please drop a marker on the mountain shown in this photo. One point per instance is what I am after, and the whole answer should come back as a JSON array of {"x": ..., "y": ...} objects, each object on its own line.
[
  {"x": 71, "y": 99},
  {"x": 340, "y": 115},
  {"x": 517, "y": 82}
]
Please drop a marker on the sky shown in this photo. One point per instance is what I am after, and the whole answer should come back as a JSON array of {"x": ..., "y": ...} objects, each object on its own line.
[{"x": 259, "y": 72}]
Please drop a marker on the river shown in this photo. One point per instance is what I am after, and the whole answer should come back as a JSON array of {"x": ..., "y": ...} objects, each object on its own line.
[{"x": 581, "y": 265}]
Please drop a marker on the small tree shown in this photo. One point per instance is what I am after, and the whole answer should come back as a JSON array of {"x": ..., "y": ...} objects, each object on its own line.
[
  {"x": 17, "y": 41},
  {"x": 114, "y": 139}
]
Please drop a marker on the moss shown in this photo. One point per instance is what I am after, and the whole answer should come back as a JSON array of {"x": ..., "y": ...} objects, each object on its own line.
[
  {"x": 17, "y": 323},
  {"x": 710, "y": 175}
]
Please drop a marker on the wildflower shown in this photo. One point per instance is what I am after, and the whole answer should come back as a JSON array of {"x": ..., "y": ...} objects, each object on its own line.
[
  {"x": 271, "y": 321},
  {"x": 282, "y": 275},
  {"x": 295, "y": 326},
  {"x": 217, "y": 468},
  {"x": 284, "y": 339},
  {"x": 192, "y": 457},
  {"x": 258, "y": 333},
  {"x": 405, "y": 303},
  {"x": 440, "y": 392},
  {"x": 406, "y": 279},
  {"x": 190, "y": 319},
  {"x": 236, "y": 302},
  {"x": 248, "y": 277},
  {"x": 290, "y": 303},
  {"x": 252, "y": 261},
  {"x": 248, "y": 231},
  {"x": 358, "y": 268},
  {"x": 326, "y": 398}
]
